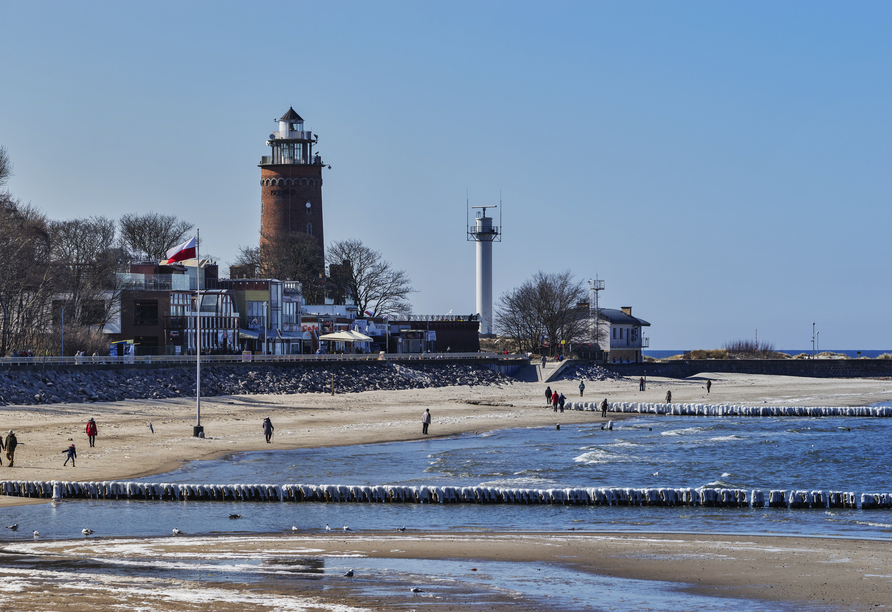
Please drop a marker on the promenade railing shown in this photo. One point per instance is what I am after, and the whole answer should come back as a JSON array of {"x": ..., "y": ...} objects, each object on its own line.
[{"x": 219, "y": 359}]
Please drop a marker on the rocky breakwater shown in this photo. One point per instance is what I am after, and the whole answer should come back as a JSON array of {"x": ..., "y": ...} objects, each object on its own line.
[
  {"x": 30, "y": 387},
  {"x": 587, "y": 371}
]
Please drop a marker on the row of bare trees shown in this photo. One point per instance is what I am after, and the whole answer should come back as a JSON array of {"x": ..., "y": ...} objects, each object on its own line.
[
  {"x": 545, "y": 307},
  {"x": 48, "y": 265}
]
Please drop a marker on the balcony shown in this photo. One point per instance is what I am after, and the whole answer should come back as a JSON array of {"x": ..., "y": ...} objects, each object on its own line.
[
  {"x": 291, "y": 135},
  {"x": 634, "y": 343},
  {"x": 267, "y": 160}
]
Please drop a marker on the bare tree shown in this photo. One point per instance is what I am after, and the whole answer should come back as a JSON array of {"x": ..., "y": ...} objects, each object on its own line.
[
  {"x": 361, "y": 273},
  {"x": 86, "y": 259},
  {"x": 248, "y": 257},
  {"x": 516, "y": 320},
  {"x": 543, "y": 306},
  {"x": 152, "y": 234},
  {"x": 26, "y": 275},
  {"x": 5, "y": 166},
  {"x": 287, "y": 256}
]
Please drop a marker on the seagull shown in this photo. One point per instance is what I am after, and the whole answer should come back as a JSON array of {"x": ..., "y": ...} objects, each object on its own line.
[
  {"x": 415, "y": 590},
  {"x": 293, "y": 528},
  {"x": 14, "y": 527},
  {"x": 400, "y": 528},
  {"x": 656, "y": 473},
  {"x": 347, "y": 528},
  {"x": 349, "y": 573},
  {"x": 36, "y": 533},
  {"x": 327, "y": 528},
  {"x": 86, "y": 532},
  {"x": 176, "y": 531},
  {"x": 235, "y": 516}
]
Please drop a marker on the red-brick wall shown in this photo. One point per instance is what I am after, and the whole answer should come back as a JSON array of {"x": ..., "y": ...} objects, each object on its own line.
[{"x": 285, "y": 190}]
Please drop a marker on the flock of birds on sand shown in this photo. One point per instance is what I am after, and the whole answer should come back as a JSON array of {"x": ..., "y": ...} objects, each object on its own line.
[{"x": 176, "y": 532}]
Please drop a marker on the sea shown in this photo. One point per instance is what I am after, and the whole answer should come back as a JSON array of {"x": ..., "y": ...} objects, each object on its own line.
[
  {"x": 790, "y": 453},
  {"x": 663, "y": 354}
]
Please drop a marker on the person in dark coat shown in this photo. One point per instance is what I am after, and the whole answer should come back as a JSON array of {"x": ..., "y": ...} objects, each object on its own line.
[
  {"x": 11, "y": 443},
  {"x": 268, "y": 429},
  {"x": 91, "y": 432},
  {"x": 72, "y": 455},
  {"x": 561, "y": 400},
  {"x": 581, "y": 387},
  {"x": 548, "y": 395},
  {"x": 708, "y": 386},
  {"x": 669, "y": 396},
  {"x": 604, "y": 408}
]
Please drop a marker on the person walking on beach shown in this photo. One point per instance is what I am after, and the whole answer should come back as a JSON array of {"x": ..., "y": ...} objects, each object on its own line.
[
  {"x": 2, "y": 447},
  {"x": 604, "y": 408},
  {"x": 581, "y": 387},
  {"x": 641, "y": 384},
  {"x": 561, "y": 400},
  {"x": 91, "y": 432},
  {"x": 425, "y": 420},
  {"x": 548, "y": 395},
  {"x": 268, "y": 429},
  {"x": 669, "y": 396},
  {"x": 554, "y": 400},
  {"x": 11, "y": 443},
  {"x": 708, "y": 386},
  {"x": 72, "y": 455},
  {"x": 543, "y": 362}
]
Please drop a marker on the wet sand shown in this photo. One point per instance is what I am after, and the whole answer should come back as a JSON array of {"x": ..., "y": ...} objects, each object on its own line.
[{"x": 836, "y": 574}]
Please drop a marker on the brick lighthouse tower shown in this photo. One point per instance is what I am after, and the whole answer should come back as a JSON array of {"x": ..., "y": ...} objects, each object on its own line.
[{"x": 291, "y": 182}]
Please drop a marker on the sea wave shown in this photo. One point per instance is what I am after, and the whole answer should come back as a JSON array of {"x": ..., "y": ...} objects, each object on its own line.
[
  {"x": 687, "y": 431},
  {"x": 602, "y": 456}
]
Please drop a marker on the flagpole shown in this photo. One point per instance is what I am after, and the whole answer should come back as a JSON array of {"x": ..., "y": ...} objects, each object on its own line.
[{"x": 198, "y": 430}]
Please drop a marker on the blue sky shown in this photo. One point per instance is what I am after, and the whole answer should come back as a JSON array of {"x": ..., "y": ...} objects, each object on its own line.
[{"x": 722, "y": 166}]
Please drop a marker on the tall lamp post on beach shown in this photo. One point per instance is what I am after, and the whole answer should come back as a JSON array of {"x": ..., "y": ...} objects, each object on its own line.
[{"x": 812, "y": 340}]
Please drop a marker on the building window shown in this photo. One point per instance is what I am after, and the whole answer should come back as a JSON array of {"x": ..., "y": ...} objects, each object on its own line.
[
  {"x": 145, "y": 312},
  {"x": 614, "y": 333},
  {"x": 309, "y": 229}
]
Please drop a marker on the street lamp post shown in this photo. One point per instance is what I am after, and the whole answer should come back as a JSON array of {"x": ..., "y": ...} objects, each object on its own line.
[
  {"x": 812, "y": 340},
  {"x": 818, "y": 342}
]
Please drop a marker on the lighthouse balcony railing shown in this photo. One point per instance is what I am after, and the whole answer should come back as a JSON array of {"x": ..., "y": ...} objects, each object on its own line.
[
  {"x": 269, "y": 160},
  {"x": 494, "y": 229},
  {"x": 291, "y": 135}
]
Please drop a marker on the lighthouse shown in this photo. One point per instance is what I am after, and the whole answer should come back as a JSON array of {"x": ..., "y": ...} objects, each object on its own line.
[
  {"x": 291, "y": 182},
  {"x": 484, "y": 233}
]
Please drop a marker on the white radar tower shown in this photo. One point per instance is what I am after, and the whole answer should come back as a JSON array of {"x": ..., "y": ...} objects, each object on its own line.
[
  {"x": 594, "y": 286},
  {"x": 484, "y": 233}
]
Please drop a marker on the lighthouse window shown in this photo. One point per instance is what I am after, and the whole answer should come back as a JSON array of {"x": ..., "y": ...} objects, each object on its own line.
[{"x": 309, "y": 229}]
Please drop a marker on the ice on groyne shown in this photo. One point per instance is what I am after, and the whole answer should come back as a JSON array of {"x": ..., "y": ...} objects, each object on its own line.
[
  {"x": 590, "y": 496},
  {"x": 733, "y": 410}
]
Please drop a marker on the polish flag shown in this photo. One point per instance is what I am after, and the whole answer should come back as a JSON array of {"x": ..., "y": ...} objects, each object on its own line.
[{"x": 181, "y": 252}]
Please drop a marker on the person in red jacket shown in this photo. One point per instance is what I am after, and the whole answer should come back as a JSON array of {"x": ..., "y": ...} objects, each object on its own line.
[
  {"x": 554, "y": 400},
  {"x": 91, "y": 432}
]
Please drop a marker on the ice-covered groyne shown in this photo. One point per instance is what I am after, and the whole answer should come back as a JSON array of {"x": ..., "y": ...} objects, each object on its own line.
[
  {"x": 734, "y": 410},
  {"x": 590, "y": 496}
]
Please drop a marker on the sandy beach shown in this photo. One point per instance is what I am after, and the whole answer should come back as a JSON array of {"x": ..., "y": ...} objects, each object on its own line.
[{"x": 831, "y": 574}]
